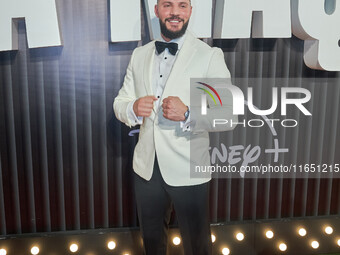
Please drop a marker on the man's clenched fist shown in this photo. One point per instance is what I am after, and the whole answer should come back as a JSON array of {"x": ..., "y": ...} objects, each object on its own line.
[
  {"x": 143, "y": 106},
  {"x": 174, "y": 109}
]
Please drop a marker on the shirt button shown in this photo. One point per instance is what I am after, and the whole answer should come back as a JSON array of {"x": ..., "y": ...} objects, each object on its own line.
[
  {"x": 161, "y": 76},
  {"x": 158, "y": 96},
  {"x": 165, "y": 58}
]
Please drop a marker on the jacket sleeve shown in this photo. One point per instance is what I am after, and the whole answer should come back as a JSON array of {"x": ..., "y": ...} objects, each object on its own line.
[{"x": 126, "y": 95}]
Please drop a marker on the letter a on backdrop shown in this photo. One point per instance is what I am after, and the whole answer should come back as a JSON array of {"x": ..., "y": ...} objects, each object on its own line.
[
  {"x": 125, "y": 20},
  {"x": 41, "y": 23}
]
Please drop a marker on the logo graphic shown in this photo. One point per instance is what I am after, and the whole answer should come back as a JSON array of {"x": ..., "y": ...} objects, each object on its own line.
[
  {"x": 221, "y": 154},
  {"x": 209, "y": 93}
]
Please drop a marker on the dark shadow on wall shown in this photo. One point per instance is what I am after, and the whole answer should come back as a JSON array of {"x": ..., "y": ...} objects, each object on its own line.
[
  {"x": 45, "y": 53},
  {"x": 7, "y": 57}
]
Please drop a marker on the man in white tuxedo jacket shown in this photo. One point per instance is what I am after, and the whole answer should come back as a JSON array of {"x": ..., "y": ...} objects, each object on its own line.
[{"x": 156, "y": 95}]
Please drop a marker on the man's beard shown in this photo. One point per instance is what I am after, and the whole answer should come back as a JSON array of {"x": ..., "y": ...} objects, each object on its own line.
[{"x": 170, "y": 34}]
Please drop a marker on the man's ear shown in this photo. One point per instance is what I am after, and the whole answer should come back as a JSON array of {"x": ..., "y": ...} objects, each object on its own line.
[{"x": 156, "y": 11}]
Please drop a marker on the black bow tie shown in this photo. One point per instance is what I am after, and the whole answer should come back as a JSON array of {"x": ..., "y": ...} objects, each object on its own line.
[{"x": 160, "y": 47}]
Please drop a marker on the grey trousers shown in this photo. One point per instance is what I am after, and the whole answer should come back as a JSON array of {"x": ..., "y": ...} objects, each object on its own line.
[{"x": 154, "y": 204}]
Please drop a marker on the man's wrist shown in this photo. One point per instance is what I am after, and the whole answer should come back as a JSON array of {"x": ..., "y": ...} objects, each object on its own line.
[
  {"x": 134, "y": 107},
  {"x": 134, "y": 119}
]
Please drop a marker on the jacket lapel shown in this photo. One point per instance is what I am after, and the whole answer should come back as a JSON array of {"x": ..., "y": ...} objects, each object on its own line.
[
  {"x": 148, "y": 69},
  {"x": 148, "y": 66}
]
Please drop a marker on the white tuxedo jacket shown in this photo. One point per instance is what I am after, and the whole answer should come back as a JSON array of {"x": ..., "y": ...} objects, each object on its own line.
[{"x": 158, "y": 135}]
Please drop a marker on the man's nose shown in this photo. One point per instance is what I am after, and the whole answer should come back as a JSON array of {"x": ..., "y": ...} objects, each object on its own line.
[{"x": 174, "y": 10}]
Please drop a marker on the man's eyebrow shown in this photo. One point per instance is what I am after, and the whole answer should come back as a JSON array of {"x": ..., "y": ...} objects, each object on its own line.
[{"x": 168, "y": 2}]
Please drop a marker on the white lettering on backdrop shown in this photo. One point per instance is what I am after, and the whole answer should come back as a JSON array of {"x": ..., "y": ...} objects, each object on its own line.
[
  {"x": 41, "y": 23},
  {"x": 233, "y": 19},
  {"x": 271, "y": 19},
  {"x": 320, "y": 31}
]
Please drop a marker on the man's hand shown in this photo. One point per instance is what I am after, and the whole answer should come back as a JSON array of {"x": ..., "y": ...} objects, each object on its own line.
[
  {"x": 174, "y": 109},
  {"x": 143, "y": 106}
]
